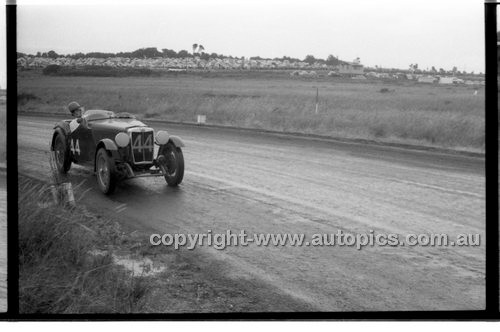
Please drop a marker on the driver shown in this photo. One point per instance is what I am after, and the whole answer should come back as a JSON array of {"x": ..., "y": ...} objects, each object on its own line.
[{"x": 75, "y": 110}]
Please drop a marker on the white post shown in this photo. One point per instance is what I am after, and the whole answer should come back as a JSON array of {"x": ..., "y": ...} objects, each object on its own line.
[{"x": 317, "y": 99}]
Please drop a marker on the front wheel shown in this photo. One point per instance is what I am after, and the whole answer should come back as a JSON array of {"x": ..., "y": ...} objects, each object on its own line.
[
  {"x": 106, "y": 176},
  {"x": 61, "y": 152},
  {"x": 173, "y": 165}
]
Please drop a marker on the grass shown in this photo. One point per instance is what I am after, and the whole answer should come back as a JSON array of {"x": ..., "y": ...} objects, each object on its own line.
[
  {"x": 406, "y": 112},
  {"x": 56, "y": 272}
]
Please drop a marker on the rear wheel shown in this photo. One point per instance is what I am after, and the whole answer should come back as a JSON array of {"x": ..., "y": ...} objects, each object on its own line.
[
  {"x": 173, "y": 165},
  {"x": 63, "y": 162},
  {"x": 105, "y": 172}
]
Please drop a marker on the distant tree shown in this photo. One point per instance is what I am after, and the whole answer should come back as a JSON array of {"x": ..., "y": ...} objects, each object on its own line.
[
  {"x": 20, "y": 55},
  {"x": 152, "y": 52},
  {"x": 201, "y": 49},
  {"x": 99, "y": 55},
  {"x": 38, "y": 54},
  {"x": 76, "y": 55},
  {"x": 52, "y": 54},
  {"x": 205, "y": 56},
  {"x": 310, "y": 59},
  {"x": 124, "y": 54},
  {"x": 442, "y": 71},
  {"x": 289, "y": 59},
  {"x": 169, "y": 53},
  {"x": 149, "y": 52},
  {"x": 332, "y": 61},
  {"x": 433, "y": 69},
  {"x": 183, "y": 54},
  {"x": 454, "y": 70},
  {"x": 214, "y": 55},
  {"x": 195, "y": 46}
]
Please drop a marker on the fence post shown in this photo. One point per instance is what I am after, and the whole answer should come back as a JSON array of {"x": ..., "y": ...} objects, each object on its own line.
[{"x": 317, "y": 99}]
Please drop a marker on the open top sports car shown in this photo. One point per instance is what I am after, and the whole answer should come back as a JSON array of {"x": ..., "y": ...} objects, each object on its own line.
[{"x": 118, "y": 147}]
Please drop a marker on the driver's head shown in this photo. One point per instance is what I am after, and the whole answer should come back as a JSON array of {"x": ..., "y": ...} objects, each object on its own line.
[{"x": 75, "y": 109}]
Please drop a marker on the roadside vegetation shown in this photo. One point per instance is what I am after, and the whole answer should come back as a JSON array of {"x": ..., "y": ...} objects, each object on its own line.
[
  {"x": 388, "y": 111},
  {"x": 56, "y": 272}
]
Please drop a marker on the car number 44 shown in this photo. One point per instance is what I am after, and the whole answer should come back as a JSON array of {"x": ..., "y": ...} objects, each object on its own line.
[
  {"x": 138, "y": 145},
  {"x": 74, "y": 146}
]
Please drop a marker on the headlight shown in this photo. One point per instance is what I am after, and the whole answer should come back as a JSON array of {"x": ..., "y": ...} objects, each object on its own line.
[
  {"x": 162, "y": 137},
  {"x": 122, "y": 140}
]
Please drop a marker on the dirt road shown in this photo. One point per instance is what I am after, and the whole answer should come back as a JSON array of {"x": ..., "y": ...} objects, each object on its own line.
[{"x": 264, "y": 183}]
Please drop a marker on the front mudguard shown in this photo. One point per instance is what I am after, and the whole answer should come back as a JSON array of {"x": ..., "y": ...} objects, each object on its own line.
[{"x": 176, "y": 141}]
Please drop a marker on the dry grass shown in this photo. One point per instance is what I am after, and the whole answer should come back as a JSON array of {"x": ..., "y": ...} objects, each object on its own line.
[
  {"x": 56, "y": 272},
  {"x": 448, "y": 116}
]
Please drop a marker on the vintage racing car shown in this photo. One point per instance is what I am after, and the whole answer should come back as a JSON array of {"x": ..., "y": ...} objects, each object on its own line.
[{"x": 118, "y": 147}]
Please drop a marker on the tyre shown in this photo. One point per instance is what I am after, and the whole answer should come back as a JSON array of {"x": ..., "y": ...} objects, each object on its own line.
[
  {"x": 173, "y": 167},
  {"x": 62, "y": 158},
  {"x": 105, "y": 172}
]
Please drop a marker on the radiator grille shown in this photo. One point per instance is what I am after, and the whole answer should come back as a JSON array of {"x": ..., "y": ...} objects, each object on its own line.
[{"x": 142, "y": 146}]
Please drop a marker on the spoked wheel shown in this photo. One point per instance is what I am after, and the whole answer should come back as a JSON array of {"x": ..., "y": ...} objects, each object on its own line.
[
  {"x": 62, "y": 159},
  {"x": 106, "y": 177},
  {"x": 173, "y": 165}
]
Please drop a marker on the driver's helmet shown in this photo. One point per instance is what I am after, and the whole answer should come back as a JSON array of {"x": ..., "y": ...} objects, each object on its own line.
[{"x": 73, "y": 106}]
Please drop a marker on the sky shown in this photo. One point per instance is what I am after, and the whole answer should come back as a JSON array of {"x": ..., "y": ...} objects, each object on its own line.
[{"x": 387, "y": 33}]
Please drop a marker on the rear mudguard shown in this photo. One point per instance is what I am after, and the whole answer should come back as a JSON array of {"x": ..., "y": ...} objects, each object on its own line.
[
  {"x": 61, "y": 128},
  {"x": 110, "y": 146}
]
